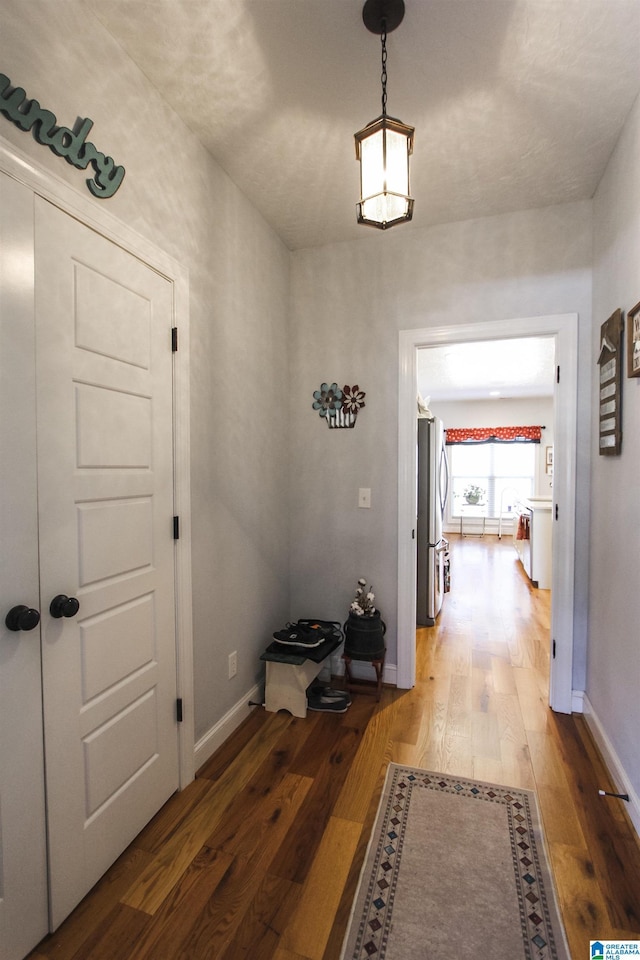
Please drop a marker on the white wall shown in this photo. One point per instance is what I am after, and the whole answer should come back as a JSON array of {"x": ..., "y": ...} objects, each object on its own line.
[
  {"x": 349, "y": 301},
  {"x": 508, "y": 412},
  {"x": 175, "y": 195},
  {"x": 613, "y": 676}
]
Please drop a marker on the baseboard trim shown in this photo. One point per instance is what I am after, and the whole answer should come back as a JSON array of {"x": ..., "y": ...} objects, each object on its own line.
[
  {"x": 613, "y": 763},
  {"x": 213, "y": 739},
  {"x": 577, "y": 701},
  {"x": 207, "y": 745}
]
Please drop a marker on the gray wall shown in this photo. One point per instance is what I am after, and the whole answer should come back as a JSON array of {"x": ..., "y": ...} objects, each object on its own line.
[
  {"x": 349, "y": 301},
  {"x": 614, "y": 609},
  {"x": 176, "y": 196}
]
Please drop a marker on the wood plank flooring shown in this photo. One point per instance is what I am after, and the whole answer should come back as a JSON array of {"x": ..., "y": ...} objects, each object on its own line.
[{"x": 260, "y": 856}]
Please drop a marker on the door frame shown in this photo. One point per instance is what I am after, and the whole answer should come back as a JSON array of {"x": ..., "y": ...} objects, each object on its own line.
[
  {"x": 42, "y": 182},
  {"x": 564, "y": 328}
]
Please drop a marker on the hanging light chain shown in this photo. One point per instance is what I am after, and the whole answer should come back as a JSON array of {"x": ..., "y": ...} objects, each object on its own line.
[{"x": 383, "y": 77}]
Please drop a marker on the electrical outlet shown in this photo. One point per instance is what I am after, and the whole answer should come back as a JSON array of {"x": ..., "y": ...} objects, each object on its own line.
[
  {"x": 233, "y": 664},
  {"x": 364, "y": 497}
]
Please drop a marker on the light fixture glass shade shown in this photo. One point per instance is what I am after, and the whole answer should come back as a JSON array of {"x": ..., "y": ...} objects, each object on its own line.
[{"x": 383, "y": 149}]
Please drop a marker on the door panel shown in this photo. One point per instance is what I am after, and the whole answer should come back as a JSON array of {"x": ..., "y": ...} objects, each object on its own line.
[
  {"x": 130, "y": 445},
  {"x": 98, "y": 297},
  {"x": 23, "y": 889},
  {"x": 104, "y": 389},
  {"x": 114, "y": 538},
  {"x": 128, "y": 630},
  {"x": 107, "y": 765}
]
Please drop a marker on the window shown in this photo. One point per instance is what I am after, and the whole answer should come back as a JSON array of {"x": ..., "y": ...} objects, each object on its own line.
[{"x": 504, "y": 472}]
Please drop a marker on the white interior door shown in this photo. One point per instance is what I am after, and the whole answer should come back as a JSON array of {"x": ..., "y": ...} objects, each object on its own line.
[
  {"x": 23, "y": 883},
  {"x": 105, "y": 498}
]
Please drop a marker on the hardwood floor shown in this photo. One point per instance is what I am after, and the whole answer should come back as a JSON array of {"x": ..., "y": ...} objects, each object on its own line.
[{"x": 260, "y": 856}]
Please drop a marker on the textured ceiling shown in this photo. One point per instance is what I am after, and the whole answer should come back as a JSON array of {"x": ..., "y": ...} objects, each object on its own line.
[
  {"x": 516, "y": 103},
  {"x": 490, "y": 369}
]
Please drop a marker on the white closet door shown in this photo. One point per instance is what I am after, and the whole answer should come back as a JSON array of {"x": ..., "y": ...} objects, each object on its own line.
[
  {"x": 105, "y": 495},
  {"x": 23, "y": 887}
]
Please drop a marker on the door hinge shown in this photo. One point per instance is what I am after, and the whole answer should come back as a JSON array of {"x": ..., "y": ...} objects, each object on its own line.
[
  {"x": 556, "y": 511},
  {"x": 413, "y": 534},
  {"x": 558, "y": 374},
  {"x": 179, "y": 709},
  {"x": 554, "y": 650},
  {"x": 176, "y": 528},
  {"x": 174, "y": 339}
]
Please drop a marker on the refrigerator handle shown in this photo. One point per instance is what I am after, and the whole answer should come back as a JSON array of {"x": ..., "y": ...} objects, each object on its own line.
[{"x": 444, "y": 462}]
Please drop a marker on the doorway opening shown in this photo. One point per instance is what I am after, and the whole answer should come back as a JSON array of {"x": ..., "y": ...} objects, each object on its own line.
[
  {"x": 563, "y": 330},
  {"x": 474, "y": 388}
]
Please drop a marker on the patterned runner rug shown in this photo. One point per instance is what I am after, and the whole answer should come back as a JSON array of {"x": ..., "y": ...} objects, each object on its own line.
[{"x": 455, "y": 868}]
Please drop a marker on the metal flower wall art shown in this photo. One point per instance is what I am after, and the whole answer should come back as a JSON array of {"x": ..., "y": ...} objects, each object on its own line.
[{"x": 338, "y": 407}]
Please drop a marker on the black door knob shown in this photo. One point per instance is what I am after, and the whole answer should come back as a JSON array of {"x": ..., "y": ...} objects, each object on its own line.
[
  {"x": 63, "y": 606},
  {"x": 22, "y": 618}
]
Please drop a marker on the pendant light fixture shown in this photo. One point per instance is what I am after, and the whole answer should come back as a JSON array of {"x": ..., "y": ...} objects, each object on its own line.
[{"x": 384, "y": 146}]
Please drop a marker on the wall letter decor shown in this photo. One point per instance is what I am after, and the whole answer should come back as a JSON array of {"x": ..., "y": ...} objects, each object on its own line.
[{"x": 70, "y": 144}]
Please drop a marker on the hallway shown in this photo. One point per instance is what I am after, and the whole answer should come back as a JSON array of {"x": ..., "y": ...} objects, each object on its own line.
[
  {"x": 260, "y": 856},
  {"x": 484, "y": 669}
]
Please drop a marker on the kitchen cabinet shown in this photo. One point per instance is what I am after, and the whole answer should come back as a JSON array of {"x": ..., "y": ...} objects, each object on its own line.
[{"x": 532, "y": 535}]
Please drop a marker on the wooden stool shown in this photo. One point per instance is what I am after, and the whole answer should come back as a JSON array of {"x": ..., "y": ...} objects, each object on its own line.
[
  {"x": 289, "y": 671},
  {"x": 378, "y": 666}
]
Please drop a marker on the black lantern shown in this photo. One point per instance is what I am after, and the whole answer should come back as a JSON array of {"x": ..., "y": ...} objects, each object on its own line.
[{"x": 384, "y": 146}]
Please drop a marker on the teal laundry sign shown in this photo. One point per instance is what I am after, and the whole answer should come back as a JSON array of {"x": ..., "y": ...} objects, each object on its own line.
[{"x": 70, "y": 144}]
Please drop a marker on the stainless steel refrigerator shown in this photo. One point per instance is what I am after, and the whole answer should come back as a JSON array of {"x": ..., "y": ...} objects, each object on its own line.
[{"x": 432, "y": 548}]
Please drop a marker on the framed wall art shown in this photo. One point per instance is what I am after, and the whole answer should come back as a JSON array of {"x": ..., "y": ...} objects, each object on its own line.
[
  {"x": 633, "y": 341},
  {"x": 610, "y": 385}
]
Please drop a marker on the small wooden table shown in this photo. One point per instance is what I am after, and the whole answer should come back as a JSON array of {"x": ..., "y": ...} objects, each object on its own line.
[
  {"x": 290, "y": 670},
  {"x": 378, "y": 666}
]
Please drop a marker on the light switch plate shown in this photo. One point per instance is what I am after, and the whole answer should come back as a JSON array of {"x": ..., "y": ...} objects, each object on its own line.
[
  {"x": 233, "y": 664},
  {"x": 364, "y": 497}
]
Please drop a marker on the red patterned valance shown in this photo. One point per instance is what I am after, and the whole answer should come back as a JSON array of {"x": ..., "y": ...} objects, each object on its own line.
[{"x": 494, "y": 434}]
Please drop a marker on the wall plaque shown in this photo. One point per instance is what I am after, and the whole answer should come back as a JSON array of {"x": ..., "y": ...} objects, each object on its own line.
[{"x": 610, "y": 385}]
